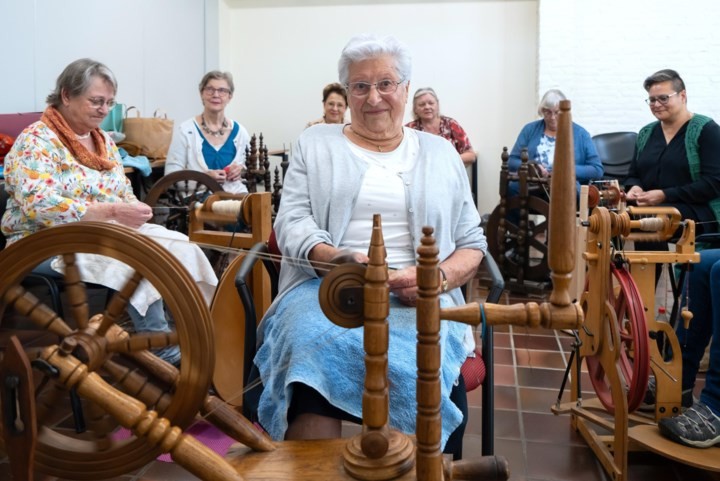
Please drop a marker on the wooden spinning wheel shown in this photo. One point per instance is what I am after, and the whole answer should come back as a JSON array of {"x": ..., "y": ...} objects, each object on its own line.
[
  {"x": 633, "y": 358},
  {"x": 520, "y": 246},
  {"x": 172, "y": 196},
  {"x": 96, "y": 341}
]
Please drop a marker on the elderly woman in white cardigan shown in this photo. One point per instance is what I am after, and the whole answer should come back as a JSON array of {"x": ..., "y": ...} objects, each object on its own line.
[{"x": 340, "y": 176}]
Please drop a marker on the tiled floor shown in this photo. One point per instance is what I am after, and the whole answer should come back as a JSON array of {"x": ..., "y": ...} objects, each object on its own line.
[{"x": 529, "y": 367}]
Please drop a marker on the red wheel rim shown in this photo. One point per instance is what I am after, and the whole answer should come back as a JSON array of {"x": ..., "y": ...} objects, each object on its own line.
[{"x": 634, "y": 357}]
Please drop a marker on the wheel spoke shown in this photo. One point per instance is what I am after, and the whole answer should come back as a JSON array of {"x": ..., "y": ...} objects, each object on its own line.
[
  {"x": 144, "y": 341},
  {"x": 76, "y": 291},
  {"x": 118, "y": 304},
  {"x": 26, "y": 304}
]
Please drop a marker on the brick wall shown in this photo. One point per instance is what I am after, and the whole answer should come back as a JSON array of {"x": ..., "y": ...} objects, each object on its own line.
[{"x": 599, "y": 52}]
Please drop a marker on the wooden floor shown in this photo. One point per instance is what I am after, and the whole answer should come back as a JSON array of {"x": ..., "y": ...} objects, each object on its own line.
[{"x": 529, "y": 367}]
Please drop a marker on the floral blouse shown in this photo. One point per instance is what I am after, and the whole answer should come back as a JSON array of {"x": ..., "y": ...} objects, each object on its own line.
[
  {"x": 449, "y": 129},
  {"x": 47, "y": 186}
]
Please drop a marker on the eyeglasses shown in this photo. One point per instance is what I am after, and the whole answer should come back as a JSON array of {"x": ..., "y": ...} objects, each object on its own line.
[
  {"x": 98, "y": 102},
  {"x": 362, "y": 89},
  {"x": 550, "y": 113},
  {"x": 663, "y": 99},
  {"x": 222, "y": 92}
]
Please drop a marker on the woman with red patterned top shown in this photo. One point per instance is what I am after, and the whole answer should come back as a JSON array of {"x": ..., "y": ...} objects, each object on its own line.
[{"x": 426, "y": 108}]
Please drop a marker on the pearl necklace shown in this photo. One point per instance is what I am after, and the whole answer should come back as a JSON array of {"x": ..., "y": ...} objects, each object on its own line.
[
  {"x": 215, "y": 133},
  {"x": 385, "y": 143},
  {"x": 83, "y": 136}
]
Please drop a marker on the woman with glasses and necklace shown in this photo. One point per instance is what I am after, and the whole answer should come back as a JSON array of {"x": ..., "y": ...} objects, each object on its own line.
[
  {"x": 211, "y": 142},
  {"x": 426, "y": 109},
  {"x": 340, "y": 175},
  {"x": 64, "y": 169},
  {"x": 539, "y": 138},
  {"x": 677, "y": 157}
]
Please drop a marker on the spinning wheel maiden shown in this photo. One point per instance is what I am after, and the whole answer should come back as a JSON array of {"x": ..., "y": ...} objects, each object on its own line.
[{"x": 83, "y": 348}]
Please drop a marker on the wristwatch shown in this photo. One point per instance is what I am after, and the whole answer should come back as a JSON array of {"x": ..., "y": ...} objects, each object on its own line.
[{"x": 444, "y": 282}]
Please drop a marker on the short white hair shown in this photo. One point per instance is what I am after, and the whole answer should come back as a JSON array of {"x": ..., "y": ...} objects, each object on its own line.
[
  {"x": 365, "y": 46},
  {"x": 551, "y": 100}
]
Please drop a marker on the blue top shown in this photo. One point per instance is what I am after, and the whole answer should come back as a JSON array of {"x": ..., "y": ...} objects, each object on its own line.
[
  {"x": 588, "y": 165},
  {"x": 217, "y": 159}
]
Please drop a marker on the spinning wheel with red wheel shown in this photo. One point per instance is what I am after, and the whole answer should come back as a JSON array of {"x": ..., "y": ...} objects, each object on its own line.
[{"x": 626, "y": 327}]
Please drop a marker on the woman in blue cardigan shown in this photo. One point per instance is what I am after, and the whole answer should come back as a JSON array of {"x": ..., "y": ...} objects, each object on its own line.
[{"x": 539, "y": 138}]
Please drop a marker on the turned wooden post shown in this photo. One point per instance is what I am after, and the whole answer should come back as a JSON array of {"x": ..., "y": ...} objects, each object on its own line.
[
  {"x": 561, "y": 255},
  {"x": 429, "y": 421},
  {"x": 378, "y": 453}
]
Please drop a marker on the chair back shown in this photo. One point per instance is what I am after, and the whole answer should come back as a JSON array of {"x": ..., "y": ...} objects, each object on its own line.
[
  {"x": 4, "y": 197},
  {"x": 616, "y": 151}
]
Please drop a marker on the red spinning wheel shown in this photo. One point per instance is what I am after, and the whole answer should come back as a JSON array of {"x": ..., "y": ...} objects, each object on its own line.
[{"x": 633, "y": 359}]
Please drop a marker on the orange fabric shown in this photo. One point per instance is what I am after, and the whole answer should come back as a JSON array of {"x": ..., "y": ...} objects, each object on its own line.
[{"x": 97, "y": 161}]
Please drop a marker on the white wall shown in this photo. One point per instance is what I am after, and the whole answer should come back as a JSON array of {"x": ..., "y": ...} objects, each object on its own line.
[
  {"x": 157, "y": 49},
  {"x": 479, "y": 56},
  {"x": 599, "y": 54}
]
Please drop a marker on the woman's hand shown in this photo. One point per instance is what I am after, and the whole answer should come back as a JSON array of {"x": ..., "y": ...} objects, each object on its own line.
[
  {"x": 633, "y": 193},
  {"x": 219, "y": 175},
  {"x": 651, "y": 197},
  {"x": 234, "y": 171},
  {"x": 403, "y": 283},
  {"x": 131, "y": 214}
]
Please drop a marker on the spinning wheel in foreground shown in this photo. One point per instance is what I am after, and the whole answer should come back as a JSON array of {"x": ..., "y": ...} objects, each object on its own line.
[
  {"x": 172, "y": 196},
  {"x": 625, "y": 308},
  {"x": 521, "y": 251},
  {"x": 80, "y": 352}
]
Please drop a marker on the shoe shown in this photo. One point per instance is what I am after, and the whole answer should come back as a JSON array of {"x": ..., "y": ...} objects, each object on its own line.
[
  {"x": 648, "y": 403},
  {"x": 698, "y": 427}
]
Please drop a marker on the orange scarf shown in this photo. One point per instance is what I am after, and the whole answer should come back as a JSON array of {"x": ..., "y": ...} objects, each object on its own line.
[{"x": 56, "y": 122}]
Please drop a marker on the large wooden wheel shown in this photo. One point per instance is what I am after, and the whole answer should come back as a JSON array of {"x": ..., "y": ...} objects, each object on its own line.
[
  {"x": 521, "y": 252},
  {"x": 626, "y": 312},
  {"x": 173, "y": 194},
  {"x": 100, "y": 453}
]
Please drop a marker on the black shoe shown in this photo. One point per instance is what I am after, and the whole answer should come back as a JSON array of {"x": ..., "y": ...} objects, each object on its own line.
[
  {"x": 648, "y": 404},
  {"x": 698, "y": 427}
]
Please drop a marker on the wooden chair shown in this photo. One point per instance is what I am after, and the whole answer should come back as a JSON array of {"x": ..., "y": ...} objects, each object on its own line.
[{"x": 476, "y": 370}]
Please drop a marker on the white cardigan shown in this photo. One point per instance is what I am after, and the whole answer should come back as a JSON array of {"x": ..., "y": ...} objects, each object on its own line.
[{"x": 186, "y": 152}]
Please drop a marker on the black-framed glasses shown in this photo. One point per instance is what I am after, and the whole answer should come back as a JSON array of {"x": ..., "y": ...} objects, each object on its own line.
[
  {"x": 222, "y": 92},
  {"x": 362, "y": 89},
  {"x": 98, "y": 102},
  {"x": 663, "y": 99}
]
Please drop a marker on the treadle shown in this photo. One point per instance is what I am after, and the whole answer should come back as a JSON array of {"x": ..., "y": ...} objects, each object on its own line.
[
  {"x": 644, "y": 436},
  {"x": 649, "y": 437}
]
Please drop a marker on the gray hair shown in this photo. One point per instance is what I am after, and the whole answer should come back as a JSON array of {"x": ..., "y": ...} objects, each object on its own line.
[
  {"x": 76, "y": 79},
  {"x": 419, "y": 93},
  {"x": 551, "y": 100},
  {"x": 218, "y": 75},
  {"x": 365, "y": 46},
  {"x": 665, "y": 75}
]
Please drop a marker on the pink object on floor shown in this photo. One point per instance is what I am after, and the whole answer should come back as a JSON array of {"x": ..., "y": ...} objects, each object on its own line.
[{"x": 203, "y": 431}]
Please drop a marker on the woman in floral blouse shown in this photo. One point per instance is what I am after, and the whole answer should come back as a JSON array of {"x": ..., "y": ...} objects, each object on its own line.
[
  {"x": 64, "y": 168},
  {"x": 426, "y": 109}
]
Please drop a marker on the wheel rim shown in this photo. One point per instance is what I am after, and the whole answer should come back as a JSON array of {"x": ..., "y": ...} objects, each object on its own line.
[
  {"x": 177, "y": 192},
  {"x": 633, "y": 361},
  {"x": 68, "y": 456}
]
